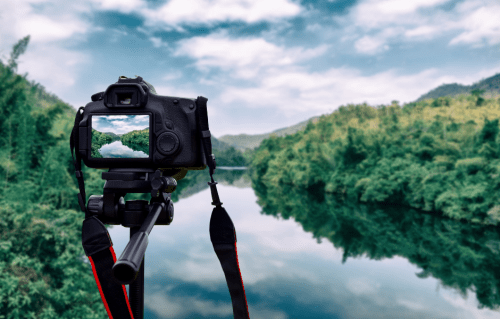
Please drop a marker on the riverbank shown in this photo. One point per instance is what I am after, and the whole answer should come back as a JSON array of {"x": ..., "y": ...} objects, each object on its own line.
[{"x": 436, "y": 155}]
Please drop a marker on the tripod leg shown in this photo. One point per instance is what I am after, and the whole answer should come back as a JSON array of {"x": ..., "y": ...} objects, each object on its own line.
[{"x": 136, "y": 288}]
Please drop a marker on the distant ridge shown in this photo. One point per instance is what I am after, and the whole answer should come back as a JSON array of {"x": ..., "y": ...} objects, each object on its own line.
[
  {"x": 491, "y": 87},
  {"x": 113, "y": 135},
  {"x": 243, "y": 142}
]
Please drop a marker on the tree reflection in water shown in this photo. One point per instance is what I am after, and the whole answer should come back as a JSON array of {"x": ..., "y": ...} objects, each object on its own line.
[{"x": 462, "y": 256}]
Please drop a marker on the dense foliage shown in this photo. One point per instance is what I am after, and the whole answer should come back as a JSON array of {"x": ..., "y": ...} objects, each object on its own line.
[
  {"x": 230, "y": 157},
  {"x": 436, "y": 155},
  {"x": 136, "y": 137},
  {"x": 137, "y": 140},
  {"x": 43, "y": 274},
  {"x": 98, "y": 140}
]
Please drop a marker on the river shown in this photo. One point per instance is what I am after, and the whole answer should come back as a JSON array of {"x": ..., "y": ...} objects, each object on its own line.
[
  {"x": 117, "y": 150},
  {"x": 367, "y": 262}
]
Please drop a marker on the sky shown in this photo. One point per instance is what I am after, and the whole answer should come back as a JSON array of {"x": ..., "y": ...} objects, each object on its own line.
[
  {"x": 120, "y": 124},
  {"x": 262, "y": 64}
]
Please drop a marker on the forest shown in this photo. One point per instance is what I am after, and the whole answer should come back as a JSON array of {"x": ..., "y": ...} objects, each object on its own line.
[
  {"x": 137, "y": 140},
  {"x": 438, "y": 155},
  {"x": 98, "y": 140},
  {"x": 136, "y": 137}
]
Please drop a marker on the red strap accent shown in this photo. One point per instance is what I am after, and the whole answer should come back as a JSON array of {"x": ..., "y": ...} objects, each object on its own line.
[
  {"x": 238, "y": 263},
  {"x": 100, "y": 289},
  {"x": 123, "y": 286}
]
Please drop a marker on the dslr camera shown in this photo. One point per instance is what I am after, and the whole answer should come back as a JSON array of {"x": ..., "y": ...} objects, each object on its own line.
[{"x": 130, "y": 125}]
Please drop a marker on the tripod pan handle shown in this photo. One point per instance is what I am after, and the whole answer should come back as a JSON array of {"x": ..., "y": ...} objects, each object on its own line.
[{"x": 127, "y": 266}]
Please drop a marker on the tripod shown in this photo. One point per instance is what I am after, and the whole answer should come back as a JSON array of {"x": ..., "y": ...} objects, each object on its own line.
[{"x": 139, "y": 215}]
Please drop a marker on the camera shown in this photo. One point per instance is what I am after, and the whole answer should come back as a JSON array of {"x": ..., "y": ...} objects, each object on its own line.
[
  {"x": 130, "y": 125},
  {"x": 148, "y": 142}
]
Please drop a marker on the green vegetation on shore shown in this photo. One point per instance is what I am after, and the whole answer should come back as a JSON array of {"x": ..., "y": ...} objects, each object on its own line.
[
  {"x": 438, "y": 155},
  {"x": 137, "y": 140},
  {"x": 136, "y": 137},
  {"x": 42, "y": 273},
  {"x": 98, "y": 140}
]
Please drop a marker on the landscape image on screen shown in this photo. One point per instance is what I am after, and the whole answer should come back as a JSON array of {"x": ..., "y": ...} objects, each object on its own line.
[{"x": 120, "y": 136}]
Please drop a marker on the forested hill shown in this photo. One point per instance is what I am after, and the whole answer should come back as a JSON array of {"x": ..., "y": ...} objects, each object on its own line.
[
  {"x": 490, "y": 86},
  {"x": 438, "y": 155}
]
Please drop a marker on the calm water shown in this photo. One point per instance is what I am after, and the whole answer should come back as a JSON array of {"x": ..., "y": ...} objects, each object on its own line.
[
  {"x": 371, "y": 262},
  {"x": 118, "y": 150}
]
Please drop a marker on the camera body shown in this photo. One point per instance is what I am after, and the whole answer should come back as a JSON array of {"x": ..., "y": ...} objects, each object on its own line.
[{"x": 130, "y": 126}]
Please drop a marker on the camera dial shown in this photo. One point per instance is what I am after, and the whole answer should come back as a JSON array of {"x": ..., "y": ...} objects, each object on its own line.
[{"x": 168, "y": 143}]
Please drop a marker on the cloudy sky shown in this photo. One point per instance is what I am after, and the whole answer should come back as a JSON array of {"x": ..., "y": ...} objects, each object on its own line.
[
  {"x": 120, "y": 124},
  {"x": 262, "y": 64}
]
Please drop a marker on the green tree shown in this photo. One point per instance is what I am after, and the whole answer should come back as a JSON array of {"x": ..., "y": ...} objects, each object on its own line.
[
  {"x": 477, "y": 95},
  {"x": 18, "y": 49},
  {"x": 43, "y": 273}
]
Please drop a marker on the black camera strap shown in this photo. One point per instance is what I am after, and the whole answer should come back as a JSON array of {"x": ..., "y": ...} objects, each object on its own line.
[
  {"x": 222, "y": 231},
  {"x": 73, "y": 142},
  {"x": 97, "y": 243}
]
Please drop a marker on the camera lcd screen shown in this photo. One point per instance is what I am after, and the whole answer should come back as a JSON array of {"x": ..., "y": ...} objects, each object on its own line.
[{"x": 120, "y": 136}]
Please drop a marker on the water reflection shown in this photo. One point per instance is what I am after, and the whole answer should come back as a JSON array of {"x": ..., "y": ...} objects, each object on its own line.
[
  {"x": 377, "y": 262},
  {"x": 118, "y": 150},
  {"x": 461, "y": 255}
]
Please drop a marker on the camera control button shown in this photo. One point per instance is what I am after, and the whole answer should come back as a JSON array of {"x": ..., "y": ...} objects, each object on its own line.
[
  {"x": 168, "y": 143},
  {"x": 169, "y": 124}
]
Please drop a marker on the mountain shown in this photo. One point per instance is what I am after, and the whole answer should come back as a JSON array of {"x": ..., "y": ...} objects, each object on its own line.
[
  {"x": 113, "y": 135},
  {"x": 491, "y": 87},
  {"x": 244, "y": 141},
  {"x": 217, "y": 144}
]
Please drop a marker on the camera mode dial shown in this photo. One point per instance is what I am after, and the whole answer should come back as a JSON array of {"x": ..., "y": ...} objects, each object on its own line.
[{"x": 167, "y": 143}]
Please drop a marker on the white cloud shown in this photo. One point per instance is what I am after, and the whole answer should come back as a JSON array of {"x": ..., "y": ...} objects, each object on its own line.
[
  {"x": 245, "y": 56},
  {"x": 157, "y": 42},
  {"x": 468, "y": 306},
  {"x": 166, "y": 306},
  {"x": 478, "y": 24},
  {"x": 362, "y": 286},
  {"x": 54, "y": 66},
  {"x": 415, "y": 306},
  {"x": 423, "y": 31},
  {"x": 471, "y": 22},
  {"x": 125, "y": 6},
  {"x": 18, "y": 19},
  {"x": 178, "y": 12},
  {"x": 371, "y": 14},
  {"x": 370, "y": 45},
  {"x": 397, "y": 7}
]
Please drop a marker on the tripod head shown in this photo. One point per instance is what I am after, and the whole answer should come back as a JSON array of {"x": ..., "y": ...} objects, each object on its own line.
[
  {"x": 111, "y": 208},
  {"x": 139, "y": 215}
]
